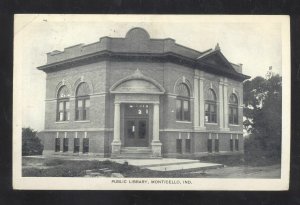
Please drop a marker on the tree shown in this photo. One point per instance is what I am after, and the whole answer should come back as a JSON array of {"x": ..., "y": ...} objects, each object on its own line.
[
  {"x": 262, "y": 112},
  {"x": 31, "y": 144}
]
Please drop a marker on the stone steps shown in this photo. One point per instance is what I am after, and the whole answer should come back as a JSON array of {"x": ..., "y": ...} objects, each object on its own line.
[{"x": 135, "y": 153}]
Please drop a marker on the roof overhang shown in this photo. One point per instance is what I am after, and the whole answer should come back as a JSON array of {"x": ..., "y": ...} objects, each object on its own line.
[{"x": 161, "y": 57}]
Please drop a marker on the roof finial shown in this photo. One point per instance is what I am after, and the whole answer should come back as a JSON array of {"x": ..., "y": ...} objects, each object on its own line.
[{"x": 217, "y": 47}]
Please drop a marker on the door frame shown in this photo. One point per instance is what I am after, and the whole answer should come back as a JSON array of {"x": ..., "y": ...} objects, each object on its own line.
[
  {"x": 136, "y": 141},
  {"x": 136, "y": 118}
]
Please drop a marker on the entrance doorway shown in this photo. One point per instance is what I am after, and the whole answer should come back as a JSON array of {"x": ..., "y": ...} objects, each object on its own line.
[{"x": 136, "y": 125}]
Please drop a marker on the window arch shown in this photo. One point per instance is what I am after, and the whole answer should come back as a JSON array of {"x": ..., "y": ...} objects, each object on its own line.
[
  {"x": 183, "y": 102},
  {"x": 82, "y": 103},
  {"x": 233, "y": 109},
  {"x": 211, "y": 107},
  {"x": 63, "y": 104}
]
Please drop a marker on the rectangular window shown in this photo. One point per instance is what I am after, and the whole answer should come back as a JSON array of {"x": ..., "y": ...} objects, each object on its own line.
[
  {"x": 77, "y": 114},
  {"x": 61, "y": 116},
  {"x": 66, "y": 145},
  {"x": 82, "y": 109},
  {"x": 186, "y": 110},
  {"x": 87, "y": 103},
  {"x": 57, "y": 144},
  {"x": 213, "y": 113},
  {"x": 231, "y": 145},
  {"x": 210, "y": 113},
  {"x": 79, "y": 103},
  {"x": 63, "y": 111},
  {"x": 217, "y": 145},
  {"x": 230, "y": 116},
  {"x": 236, "y": 144},
  {"x": 61, "y": 106},
  {"x": 76, "y": 145},
  {"x": 67, "y": 115},
  {"x": 85, "y": 145},
  {"x": 179, "y": 146},
  {"x": 209, "y": 145},
  {"x": 233, "y": 115},
  {"x": 183, "y": 110},
  {"x": 178, "y": 110},
  {"x": 67, "y": 105},
  {"x": 188, "y": 145}
]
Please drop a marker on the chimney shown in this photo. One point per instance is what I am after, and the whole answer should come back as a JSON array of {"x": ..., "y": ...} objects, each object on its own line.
[{"x": 217, "y": 47}]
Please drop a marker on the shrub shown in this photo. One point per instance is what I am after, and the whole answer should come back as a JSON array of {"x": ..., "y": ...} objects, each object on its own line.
[
  {"x": 258, "y": 153},
  {"x": 31, "y": 144}
]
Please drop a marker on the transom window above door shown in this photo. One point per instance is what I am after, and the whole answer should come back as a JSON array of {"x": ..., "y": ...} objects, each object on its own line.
[{"x": 136, "y": 109}]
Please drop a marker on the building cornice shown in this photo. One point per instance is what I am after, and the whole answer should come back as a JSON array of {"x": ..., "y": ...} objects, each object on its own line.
[{"x": 160, "y": 57}]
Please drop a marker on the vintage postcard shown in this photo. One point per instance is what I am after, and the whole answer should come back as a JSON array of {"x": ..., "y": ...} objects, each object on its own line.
[{"x": 151, "y": 102}]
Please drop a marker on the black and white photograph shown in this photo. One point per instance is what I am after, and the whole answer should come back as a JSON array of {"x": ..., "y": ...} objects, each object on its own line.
[{"x": 151, "y": 102}]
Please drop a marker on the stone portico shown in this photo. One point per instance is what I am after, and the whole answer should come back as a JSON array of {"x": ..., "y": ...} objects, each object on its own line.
[{"x": 132, "y": 89}]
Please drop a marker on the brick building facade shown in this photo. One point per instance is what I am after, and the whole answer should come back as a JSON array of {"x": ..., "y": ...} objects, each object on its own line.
[{"x": 142, "y": 97}]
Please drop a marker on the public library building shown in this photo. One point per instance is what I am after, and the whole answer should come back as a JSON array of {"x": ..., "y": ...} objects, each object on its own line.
[{"x": 140, "y": 97}]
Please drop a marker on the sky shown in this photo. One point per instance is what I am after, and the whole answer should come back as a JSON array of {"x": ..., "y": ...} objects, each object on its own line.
[{"x": 254, "y": 41}]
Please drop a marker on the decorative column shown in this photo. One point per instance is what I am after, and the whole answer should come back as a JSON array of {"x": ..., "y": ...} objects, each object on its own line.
[
  {"x": 221, "y": 105},
  {"x": 225, "y": 105},
  {"x": 201, "y": 103},
  {"x": 156, "y": 144},
  {"x": 196, "y": 103},
  {"x": 116, "y": 143}
]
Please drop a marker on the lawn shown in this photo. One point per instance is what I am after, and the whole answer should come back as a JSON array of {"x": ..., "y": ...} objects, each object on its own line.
[
  {"x": 60, "y": 167},
  {"x": 40, "y": 167}
]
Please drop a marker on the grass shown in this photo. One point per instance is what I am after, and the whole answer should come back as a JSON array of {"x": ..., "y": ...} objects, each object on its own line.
[
  {"x": 72, "y": 168},
  {"x": 240, "y": 160},
  {"x": 54, "y": 167}
]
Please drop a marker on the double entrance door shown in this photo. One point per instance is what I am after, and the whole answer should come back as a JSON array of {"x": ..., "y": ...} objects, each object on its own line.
[{"x": 136, "y": 125}]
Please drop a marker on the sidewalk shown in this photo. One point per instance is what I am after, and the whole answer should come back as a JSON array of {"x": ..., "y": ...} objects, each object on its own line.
[{"x": 162, "y": 164}]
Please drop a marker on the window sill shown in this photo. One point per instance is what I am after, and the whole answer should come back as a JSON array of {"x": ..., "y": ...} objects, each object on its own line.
[
  {"x": 82, "y": 121},
  {"x": 211, "y": 123},
  {"x": 235, "y": 125},
  {"x": 183, "y": 121},
  {"x": 62, "y": 122}
]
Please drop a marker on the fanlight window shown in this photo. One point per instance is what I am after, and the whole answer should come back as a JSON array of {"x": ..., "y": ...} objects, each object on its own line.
[
  {"x": 211, "y": 96},
  {"x": 63, "y": 92},
  {"x": 233, "y": 109},
  {"x": 183, "y": 102},
  {"x": 182, "y": 90},
  {"x": 82, "y": 102},
  {"x": 63, "y": 104},
  {"x": 211, "y": 107}
]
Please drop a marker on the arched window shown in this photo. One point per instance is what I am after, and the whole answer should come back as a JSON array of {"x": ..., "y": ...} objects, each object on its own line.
[
  {"x": 63, "y": 104},
  {"x": 82, "y": 102},
  {"x": 183, "y": 103},
  {"x": 211, "y": 107},
  {"x": 233, "y": 109}
]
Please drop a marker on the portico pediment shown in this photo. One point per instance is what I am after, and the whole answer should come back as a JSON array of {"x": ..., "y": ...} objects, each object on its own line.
[{"x": 137, "y": 83}]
